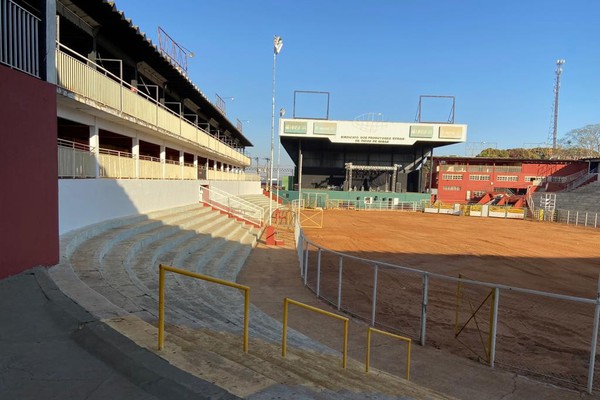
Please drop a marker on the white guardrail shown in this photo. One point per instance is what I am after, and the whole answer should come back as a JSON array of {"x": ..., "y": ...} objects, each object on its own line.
[
  {"x": 233, "y": 205},
  {"x": 318, "y": 267}
]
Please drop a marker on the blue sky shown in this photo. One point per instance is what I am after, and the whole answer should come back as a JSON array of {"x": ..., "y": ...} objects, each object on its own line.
[{"x": 497, "y": 57}]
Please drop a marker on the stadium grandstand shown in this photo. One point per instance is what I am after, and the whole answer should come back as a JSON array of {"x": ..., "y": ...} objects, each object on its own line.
[
  {"x": 129, "y": 211},
  {"x": 128, "y": 130},
  {"x": 364, "y": 154}
]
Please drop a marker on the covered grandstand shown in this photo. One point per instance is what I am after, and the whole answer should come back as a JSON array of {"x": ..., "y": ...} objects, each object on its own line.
[{"x": 364, "y": 154}]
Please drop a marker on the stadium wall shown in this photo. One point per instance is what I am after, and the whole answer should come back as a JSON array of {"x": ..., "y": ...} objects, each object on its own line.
[
  {"x": 89, "y": 201},
  {"x": 28, "y": 159}
]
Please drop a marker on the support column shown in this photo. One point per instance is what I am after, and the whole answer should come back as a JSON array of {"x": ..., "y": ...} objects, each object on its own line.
[
  {"x": 94, "y": 144},
  {"x": 163, "y": 159},
  {"x": 135, "y": 150},
  {"x": 181, "y": 166},
  {"x": 196, "y": 165}
]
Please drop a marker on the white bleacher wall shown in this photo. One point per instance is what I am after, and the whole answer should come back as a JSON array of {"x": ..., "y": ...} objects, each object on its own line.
[
  {"x": 238, "y": 188},
  {"x": 88, "y": 201}
]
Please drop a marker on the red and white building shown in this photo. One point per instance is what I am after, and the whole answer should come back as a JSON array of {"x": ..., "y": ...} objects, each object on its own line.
[{"x": 464, "y": 179}]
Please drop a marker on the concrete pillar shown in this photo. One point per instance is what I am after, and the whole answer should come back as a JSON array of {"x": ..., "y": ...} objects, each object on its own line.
[
  {"x": 196, "y": 165},
  {"x": 163, "y": 158},
  {"x": 51, "y": 31},
  {"x": 135, "y": 150},
  {"x": 181, "y": 162},
  {"x": 94, "y": 144}
]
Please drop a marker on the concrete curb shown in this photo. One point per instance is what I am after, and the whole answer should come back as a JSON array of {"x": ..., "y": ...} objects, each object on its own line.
[{"x": 140, "y": 366}]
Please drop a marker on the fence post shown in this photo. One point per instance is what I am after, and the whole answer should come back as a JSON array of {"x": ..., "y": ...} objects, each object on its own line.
[
  {"x": 301, "y": 255},
  {"x": 306, "y": 265},
  {"x": 586, "y": 218},
  {"x": 424, "y": 307},
  {"x": 339, "y": 302},
  {"x": 594, "y": 341},
  {"x": 596, "y": 221},
  {"x": 374, "y": 305},
  {"x": 494, "y": 326},
  {"x": 568, "y": 217},
  {"x": 318, "y": 271},
  {"x": 577, "y": 218}
]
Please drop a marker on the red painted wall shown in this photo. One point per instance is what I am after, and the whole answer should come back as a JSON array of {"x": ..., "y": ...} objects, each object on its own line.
[
  {"x": 527, "y": 169},
  {"x": 28, "y": 173}
]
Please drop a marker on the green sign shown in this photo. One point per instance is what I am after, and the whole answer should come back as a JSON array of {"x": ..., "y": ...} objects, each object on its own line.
[
  {"x": 325, "y": 128},
  {"x": 421, "y": 131},
  {"x": 294, "y": 127}
]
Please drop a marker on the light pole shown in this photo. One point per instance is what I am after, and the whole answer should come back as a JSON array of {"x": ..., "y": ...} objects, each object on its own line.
[
  {"x": 277, "y": 45},
  {"x": 281, "y": 115}
]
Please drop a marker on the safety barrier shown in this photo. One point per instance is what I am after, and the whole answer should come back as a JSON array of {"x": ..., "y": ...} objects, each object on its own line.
[
  {"x": 428, "y": 296},
  {"x": 402, "y": 338},
  {"x": 233, "y": 205},
  {"x": 161, "y": 299},
  {"x": 287, "y": 302}
]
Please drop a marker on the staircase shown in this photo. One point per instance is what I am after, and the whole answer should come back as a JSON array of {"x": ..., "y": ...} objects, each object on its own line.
[
  {"x": 584, "y": 198},
  {"x": 111, "y": 269}
]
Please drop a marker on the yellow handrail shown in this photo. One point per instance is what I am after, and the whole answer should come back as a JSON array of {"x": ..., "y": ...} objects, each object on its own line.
[
  {"x": 287, "y": 301},
  {"x": 161, "y": 299},
  {"x": 407, "y": 340}
]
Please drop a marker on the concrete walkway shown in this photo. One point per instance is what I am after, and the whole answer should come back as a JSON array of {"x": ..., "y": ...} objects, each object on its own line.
[
  {"x": 273, "y": 274},
  {"x": 51, "y": 348}
]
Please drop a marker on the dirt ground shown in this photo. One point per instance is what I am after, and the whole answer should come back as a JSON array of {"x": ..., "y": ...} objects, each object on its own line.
[{"x": 543, "y": 336}]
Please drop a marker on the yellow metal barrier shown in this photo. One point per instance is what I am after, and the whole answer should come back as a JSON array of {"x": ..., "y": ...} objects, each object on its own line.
[
  {"x": 407, "y": 340},
  {"x": 161, "y": 299},
  {"x": 287, "y": 301}
]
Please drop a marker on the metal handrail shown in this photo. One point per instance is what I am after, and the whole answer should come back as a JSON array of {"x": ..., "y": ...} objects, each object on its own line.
[
  {"x": 161, "y": 299},
  {"x": 288, "y": 301},
  {"x": 234, "y": 205},
  {"x": 402, "y": 338},
  {"x": 128, "y": 87}
]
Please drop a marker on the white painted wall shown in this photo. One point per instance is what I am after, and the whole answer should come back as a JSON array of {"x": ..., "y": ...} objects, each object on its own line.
[
  {"x": 88, "y": 201},
  {"x": 238, "y": 188}
]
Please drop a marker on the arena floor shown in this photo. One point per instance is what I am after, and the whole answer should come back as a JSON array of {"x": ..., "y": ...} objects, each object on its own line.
[{"x": 545, "y": 337}]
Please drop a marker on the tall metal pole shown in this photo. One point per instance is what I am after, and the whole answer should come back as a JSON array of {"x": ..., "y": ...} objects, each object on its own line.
[
  {"x": 277, "y": 45},
  {"x": 559, "y": 69}
]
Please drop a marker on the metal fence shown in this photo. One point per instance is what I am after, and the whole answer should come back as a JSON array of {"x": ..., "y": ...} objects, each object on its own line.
[
  {"x": 541, "y": 334},
  {"x": 578, "y": 218},
  {"x": 19, "y": 38}
]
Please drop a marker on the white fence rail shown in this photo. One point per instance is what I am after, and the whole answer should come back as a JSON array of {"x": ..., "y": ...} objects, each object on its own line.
[
  {"x": 424, "y": 311},
  {"x": 19, "y": 38},
  {"x": 80, "y": 75},
  {"x": 233, "y": 205}
]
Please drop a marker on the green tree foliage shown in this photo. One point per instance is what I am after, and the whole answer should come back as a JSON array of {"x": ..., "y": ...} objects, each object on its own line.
[
  {"x": 537, "y": 153},
  {"x": 582, "y": 142}
]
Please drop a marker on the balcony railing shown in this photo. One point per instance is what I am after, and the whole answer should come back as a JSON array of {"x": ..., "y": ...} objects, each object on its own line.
[
  {"x": 19, "y": 38},
  {"x": 87, "y": 79},
  {"x": 77, "y": 160}
]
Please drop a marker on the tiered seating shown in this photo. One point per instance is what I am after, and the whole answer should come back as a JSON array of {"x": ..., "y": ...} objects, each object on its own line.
[
  {"x": 111, "y": 269},
  {"x": 584, "y": 198}
]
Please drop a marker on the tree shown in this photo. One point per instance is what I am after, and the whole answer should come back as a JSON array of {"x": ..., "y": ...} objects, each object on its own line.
[{"x": 586, "y": 139}]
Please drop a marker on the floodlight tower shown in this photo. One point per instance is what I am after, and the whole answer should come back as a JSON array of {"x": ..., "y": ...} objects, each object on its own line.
[{"x": 554, "y": 131}]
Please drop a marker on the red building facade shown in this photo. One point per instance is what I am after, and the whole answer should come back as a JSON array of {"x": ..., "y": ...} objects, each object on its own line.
[{"x": 464, "y": 180}]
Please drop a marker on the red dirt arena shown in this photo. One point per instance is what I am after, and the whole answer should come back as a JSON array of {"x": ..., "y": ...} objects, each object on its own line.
[{"x": 548, "y": 338}]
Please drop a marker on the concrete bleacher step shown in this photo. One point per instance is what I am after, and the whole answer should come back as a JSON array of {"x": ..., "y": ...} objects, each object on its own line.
[{"x": 218, "y": 357}]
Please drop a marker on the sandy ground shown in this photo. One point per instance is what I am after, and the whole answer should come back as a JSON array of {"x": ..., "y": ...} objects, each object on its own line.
[{"x": 541, "y": 335}]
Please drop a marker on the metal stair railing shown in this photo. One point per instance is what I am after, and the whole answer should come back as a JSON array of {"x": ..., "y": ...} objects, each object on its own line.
[
  {"x": 581, "y": 180},
  {"x": 233, "y": 205}
]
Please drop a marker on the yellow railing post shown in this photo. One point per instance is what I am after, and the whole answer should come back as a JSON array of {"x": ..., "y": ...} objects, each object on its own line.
[
  {"x": 285, "y": 322},
  {"x": 161, "y": 299},
  {"x": 161, "y": 308},
  {"x": 287, "y": 302},
  {"x": 405, "y": 339}
]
